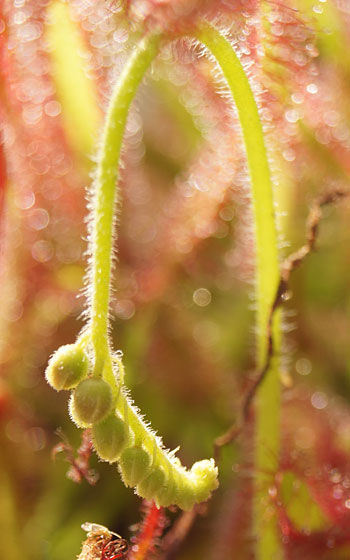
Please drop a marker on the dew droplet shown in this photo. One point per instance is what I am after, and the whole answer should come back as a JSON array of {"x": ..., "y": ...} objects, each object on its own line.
[
  {"x": 297, "y": 98},
  {"x": 319, "y": 400},
  {"x": 29, "y": 32},
  {"x": 32, "y": 114},
  {"x": 124, "y": 309},
  {"x": 303, "y": 366},
  {"x": 331, "y": 118},
  {"x": 42, "y": 251},
  {"x": 292, "y": 115},
  {"x": 312, "y": 88},
  {"x": 19, "y": 17},
  {"x": 335, "y": 476},
  {"x": 52, "y": 108},
  {"x": 39, "y": 219},
  {"x": 26, "y": 201},
  {"x": 289, "y": 154},
  {"x": 338, "y": 492},
  {"x": 226, "y": 214},
  {"x": 202, "y": 297}
]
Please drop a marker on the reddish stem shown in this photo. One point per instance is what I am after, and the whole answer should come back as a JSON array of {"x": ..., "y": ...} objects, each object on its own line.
[{"x": 151, "y": 528}]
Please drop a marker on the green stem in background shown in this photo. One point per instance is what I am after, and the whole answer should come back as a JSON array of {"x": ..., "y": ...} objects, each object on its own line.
[
  {"x": 267, "y": 439},
  {"x": 105, "y": 192},
  {"x": 75, "y": 91}
]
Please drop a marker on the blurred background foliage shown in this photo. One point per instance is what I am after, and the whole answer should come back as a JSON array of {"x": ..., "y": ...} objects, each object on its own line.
[{"x": 183, "y": 312}]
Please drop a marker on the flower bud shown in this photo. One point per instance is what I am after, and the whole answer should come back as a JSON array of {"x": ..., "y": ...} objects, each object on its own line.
[
  {"x": 185, "y": 493},
  {"x": 110, "y": 437},
  {"x": 205, "y": 475},
  {"x": 134, "y": 465},
  {"x": 67, "y": 367},
  {"x": 91, "y": 401},
  {"x": 166, "y": 495},
  {"x": 152, "y": 484}
]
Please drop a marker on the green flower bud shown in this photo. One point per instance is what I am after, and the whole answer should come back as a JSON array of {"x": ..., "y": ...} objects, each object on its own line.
[
  {"x": 91, "y": 401},
  {"x": 205, "y": 476},
  {"x": 167, "y": 495},
  {"x": 185, "y": 493},
  {"x": 73, "y": 414},
  {"x": 134, "y": 465},
  {"x": 110, "y": 437},
  {"x": 67, "y": 367},
  {"x": 152, "y": 484}
]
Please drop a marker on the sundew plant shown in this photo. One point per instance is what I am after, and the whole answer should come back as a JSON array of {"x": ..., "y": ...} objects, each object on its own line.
[{"x": 174, "y": 185}]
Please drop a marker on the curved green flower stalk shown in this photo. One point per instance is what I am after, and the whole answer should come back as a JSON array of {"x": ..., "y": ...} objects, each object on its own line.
[
  {"x": 99, "y": 399},
  {"x": 105, "y": 193},
  {"x": 267, "y": 440}
]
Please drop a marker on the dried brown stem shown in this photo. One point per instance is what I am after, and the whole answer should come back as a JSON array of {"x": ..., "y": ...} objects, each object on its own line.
[
  {"x": 288, "y": 266},
  {"x": 178, "y": 532},
  {"x": 79, "y": 464}
]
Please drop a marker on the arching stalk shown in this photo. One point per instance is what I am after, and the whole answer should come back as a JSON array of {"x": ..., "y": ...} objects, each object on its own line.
[
  {"x": 105, "y": 192},
  {"x": 267, "y": 438},
  {"x": 143, "y": 451},
  {"x": 143, "y": 454}
]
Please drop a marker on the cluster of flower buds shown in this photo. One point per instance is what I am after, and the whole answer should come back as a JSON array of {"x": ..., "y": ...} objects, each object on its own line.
[{"x": 124, "y": 438}]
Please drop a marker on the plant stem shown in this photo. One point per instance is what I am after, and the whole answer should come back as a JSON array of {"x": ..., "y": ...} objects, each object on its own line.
[
  {"x": 267, "y": 275},
  {"x": 105, "y": 192},
  {"x": 267, "y": 439},
  {"x": 80, "y": 111},
  {"x": 180, "y": 487}
]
